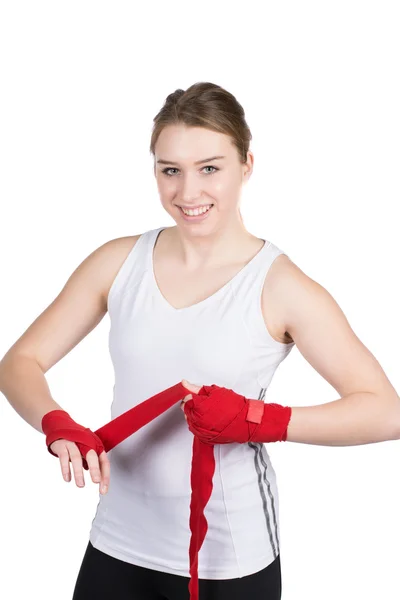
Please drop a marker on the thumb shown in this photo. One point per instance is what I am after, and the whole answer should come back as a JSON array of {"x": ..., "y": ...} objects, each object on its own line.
[{"x": 190, "y": 386}]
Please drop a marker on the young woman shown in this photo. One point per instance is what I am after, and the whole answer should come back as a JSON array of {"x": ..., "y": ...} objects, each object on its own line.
[{"x": 207, "y": 301}]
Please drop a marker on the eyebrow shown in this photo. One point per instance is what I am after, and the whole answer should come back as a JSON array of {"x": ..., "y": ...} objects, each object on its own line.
[{"x": 197, "y": 162}]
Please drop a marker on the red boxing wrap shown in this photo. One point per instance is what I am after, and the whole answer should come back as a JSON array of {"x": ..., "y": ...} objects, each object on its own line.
[
  {"x": 214, "y": 415},
  {"x": 57, "y": 425},
  {"x": 218, "y": 415}
]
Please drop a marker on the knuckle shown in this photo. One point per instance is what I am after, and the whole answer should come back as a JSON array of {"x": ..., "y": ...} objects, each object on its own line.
[
  {"x": 70, "y": 444},
  {"x": 78, "y": 469}
]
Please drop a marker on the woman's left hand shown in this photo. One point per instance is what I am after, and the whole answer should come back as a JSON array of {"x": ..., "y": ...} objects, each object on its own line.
[{"x": 192, "y": 388}]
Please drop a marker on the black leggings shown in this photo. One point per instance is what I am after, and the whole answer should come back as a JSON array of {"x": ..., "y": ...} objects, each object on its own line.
[{"x": 103, "y": 577}]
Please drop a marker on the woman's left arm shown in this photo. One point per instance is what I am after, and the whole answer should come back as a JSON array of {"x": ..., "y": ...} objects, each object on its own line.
[{"x": 368, "y": 410}]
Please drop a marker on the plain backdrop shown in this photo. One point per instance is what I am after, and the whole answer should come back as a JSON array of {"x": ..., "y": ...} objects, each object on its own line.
[{"x": 319, "y": 82}]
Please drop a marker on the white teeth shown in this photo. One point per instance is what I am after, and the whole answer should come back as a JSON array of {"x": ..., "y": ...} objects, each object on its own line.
[{"x": 197, "y": 211}]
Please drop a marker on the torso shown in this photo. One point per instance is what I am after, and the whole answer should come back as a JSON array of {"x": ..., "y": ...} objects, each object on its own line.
[{"x": 201, "y": 284}]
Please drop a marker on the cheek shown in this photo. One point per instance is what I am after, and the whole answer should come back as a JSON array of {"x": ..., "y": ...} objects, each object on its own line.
[
  {"x": 166, "y": 189},
  {"x": 223, "y": 192},
  {"x": 226, "y": 185}
]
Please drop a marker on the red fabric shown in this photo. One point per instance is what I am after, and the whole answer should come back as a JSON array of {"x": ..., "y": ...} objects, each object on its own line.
[
  {"x": 57, "y": 425},
  {"x": 214, "y": 415},
  {"x": 217, "y": 415}
]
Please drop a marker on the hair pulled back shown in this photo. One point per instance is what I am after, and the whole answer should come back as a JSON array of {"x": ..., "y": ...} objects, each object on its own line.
[{"x": 207, "y": 105}]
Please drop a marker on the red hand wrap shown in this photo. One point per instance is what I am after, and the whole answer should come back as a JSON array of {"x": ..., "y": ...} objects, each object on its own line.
[
  {"x": 215, "y": 414},
  {"x": 57, "y": 425}
]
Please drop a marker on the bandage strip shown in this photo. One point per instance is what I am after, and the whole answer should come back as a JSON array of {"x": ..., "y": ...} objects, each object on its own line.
[
  {"x": 202, "y": 470},
  {"x": 214, "y": 415}
]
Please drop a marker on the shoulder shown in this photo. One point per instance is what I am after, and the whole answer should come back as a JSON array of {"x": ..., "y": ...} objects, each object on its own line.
[
  {"x": 282, "y": 287},
  {"x": 112, "y": 255}
]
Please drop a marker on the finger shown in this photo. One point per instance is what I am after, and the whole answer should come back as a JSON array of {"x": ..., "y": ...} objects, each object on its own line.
[
  {"x": 210, "y": 402},
  {"x": 76, "y": 460},
  {"x": 63, "y": 455},
  {"x": 105, "y": 472},
  {"x": 93, "y": 463},
  {"x": 190, "y": 386}
]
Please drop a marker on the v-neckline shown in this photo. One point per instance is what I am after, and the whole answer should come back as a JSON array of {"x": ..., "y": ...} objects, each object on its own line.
[{"x": 205, "y": 300}]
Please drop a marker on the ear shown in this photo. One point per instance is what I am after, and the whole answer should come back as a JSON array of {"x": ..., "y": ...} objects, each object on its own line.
[{"x": 248, "y": 166}]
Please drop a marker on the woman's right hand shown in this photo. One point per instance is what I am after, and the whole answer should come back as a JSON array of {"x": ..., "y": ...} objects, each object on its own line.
[{"x": 99, "y": 466}]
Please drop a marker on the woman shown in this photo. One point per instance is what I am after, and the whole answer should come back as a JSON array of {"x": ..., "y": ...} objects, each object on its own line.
[{"x": 208, "y": 301}]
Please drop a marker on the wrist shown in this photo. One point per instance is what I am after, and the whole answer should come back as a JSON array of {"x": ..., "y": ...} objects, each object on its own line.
[
  {"x": 270, "y": 421},
  {"x": 49, "y": 418}
]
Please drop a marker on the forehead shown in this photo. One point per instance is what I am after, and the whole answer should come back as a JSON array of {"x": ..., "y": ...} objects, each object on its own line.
[{"x": 181, "y": 143}]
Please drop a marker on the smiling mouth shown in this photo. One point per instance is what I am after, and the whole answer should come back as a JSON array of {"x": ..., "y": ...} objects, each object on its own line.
[{"x": 197, "y": 214}]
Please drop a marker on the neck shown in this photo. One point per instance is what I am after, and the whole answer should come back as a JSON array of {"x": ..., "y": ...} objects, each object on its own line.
[{"x": 217, "y": 248}]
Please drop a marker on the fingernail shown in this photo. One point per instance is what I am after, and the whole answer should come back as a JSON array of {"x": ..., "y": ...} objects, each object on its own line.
[{"x": 104, "y": 489}]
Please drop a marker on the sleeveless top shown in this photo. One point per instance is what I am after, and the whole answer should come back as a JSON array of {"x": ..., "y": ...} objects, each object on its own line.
[{"x": 144, "y": 517}]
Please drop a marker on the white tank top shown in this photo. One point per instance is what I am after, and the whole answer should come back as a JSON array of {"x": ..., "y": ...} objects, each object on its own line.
[{"x": 144, "y": 517}]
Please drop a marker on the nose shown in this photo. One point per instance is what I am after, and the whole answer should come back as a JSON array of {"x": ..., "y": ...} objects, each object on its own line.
[{"x": 190, "y": 188}]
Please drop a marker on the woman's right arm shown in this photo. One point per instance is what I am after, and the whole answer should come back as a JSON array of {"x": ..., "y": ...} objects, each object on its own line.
[{"x": 74, "y": 313}]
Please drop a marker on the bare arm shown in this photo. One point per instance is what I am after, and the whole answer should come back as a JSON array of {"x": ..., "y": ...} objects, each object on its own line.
[
  {"x": 368, "y": 410},
  {"x": 23, "y": 383},
  {"x": 76, "y": 311}
]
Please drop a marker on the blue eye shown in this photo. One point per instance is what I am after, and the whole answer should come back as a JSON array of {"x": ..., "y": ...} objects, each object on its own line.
[{"x": 174, "y": 169}]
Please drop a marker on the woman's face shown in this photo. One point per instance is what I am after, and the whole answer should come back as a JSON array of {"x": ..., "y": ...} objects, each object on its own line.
[{"x": 183, "y": 183}]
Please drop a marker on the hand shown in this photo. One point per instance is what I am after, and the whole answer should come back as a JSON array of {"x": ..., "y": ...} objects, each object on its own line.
[
  {"x": 99, "y": 466},
  {"x": 193, "y": 388}
]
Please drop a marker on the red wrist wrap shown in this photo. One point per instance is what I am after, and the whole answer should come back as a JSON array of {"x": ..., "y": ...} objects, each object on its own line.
[
  {"x": 214, "y": 415},
  {"x": 57, "y": 424}
]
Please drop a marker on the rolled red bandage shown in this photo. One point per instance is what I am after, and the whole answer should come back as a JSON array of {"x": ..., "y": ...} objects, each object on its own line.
[{"x": 57, "y": 425}]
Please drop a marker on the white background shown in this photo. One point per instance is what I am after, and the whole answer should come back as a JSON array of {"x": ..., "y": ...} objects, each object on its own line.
[{"x": 319, "y": 82}]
